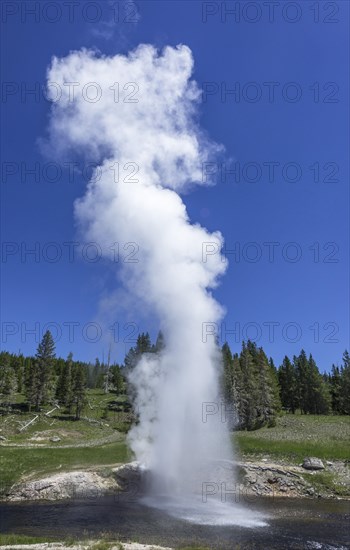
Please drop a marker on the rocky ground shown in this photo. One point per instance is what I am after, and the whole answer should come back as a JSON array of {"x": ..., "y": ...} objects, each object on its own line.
[
  {"x": 65, "y": 485},
  {"x": 91, "y": 483},
  {"x": 262, "y": 478},
  {"x": 279, "y": 479}
]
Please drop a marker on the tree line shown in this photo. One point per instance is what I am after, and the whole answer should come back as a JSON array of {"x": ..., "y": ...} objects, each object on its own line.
[
  {"x": 45, "y": 379},
  {"x": 258, "y": 391},
  {"x": 255, "y": 389}
]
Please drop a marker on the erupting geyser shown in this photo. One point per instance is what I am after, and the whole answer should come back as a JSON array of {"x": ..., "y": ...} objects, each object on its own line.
[{"x": 137, "y": 113}]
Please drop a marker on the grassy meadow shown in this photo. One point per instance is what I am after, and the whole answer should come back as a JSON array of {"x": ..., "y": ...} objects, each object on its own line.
[{"x": 296, "y": 436}]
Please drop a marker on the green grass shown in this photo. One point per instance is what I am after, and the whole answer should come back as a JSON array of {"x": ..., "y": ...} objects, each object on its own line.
[
  {"x": 18, "y": 462},
  {"x": 326, "y": 482},
  {"x": 296, "y": 451},
  {"x": 101, "y": 408},
  {"x": 295, "y": 436}
]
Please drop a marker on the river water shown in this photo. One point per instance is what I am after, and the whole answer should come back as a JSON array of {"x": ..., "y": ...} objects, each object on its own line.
[{"x": 288, "y": 523}]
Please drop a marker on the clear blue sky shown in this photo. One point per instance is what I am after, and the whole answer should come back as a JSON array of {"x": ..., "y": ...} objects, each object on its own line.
[{"x": 289, "y": 70}]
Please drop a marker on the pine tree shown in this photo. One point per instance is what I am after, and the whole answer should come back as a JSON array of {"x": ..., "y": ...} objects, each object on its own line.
[
  {"x": 267, "y": 403},
  {"x": 107, "y": 374},
  {"x": 143, "y": 345},
  {"x": 44, "y": 359},
  {"x": 117, "y": 379},
  {"x": 345, "y": 384},
  {"x": 17, "y": 364},
  {"x": 249, "y": 382},
  {"x": 228, "y": 383},
  {"x": 31, "y": 381},
  {"x": 232, "y": 387},
  {"x": 301, "y": 366},
  {"x": 130, "y": 359},
  {"x": 239, "y": 394},
  {"x": 97, "y": 374},
  {"x": 288, "y": 385},
  {"x": 227, "y": 372},
  {"x": 277, "y": 405},
  {"x": 334, "y": 381},
  {"x": 39, "y": 379},
  {"x": 318, "y": 395},
  {"x": 79, "y": 398},
  {"x": 8, "y": 381},
  {"x": 64, "y": 385}
]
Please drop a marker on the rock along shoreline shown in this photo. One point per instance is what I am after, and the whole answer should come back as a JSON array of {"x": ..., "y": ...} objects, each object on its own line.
[{"x": 259, "y": 478}]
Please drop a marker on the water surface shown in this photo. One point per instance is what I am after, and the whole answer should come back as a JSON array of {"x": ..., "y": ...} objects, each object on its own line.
[{"x": 290, "y": 523}]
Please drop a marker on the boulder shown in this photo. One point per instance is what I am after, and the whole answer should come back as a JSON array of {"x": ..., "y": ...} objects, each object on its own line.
[
  {"x": 311, "y": 463},
  {"x": 55, "y": 439}
]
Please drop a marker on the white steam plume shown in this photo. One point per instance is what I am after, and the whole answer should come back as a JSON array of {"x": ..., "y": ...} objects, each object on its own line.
[{"x": 160, "y": 135}]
